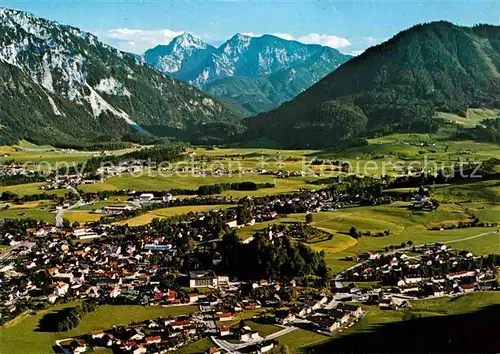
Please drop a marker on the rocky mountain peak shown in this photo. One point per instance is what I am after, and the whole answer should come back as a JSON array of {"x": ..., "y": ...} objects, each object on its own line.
[{"x": 187, "y": 40}]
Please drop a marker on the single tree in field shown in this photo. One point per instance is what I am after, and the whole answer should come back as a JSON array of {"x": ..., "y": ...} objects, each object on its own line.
[{"x": 309, "y": 218}]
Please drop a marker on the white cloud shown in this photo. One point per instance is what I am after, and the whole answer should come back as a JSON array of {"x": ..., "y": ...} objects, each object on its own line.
[
  {"x": 311, "y": 38},
  {"x": 287, "y": 36},
  {"x": 325, "y": 40},
  {"x": 138, "y": 40}
]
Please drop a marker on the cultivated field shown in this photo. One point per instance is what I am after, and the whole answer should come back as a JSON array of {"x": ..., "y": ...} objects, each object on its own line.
[
  {"x": 45, "y": 157},
  {"x": 155, "y": 181},
  {"x": 29, "y": 189},
  {"x": 169, "y": 212}
]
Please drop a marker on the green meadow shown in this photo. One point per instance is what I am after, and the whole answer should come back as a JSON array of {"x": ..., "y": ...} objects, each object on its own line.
[
  {"x": 22, "y": 336},
  {"x": 404, "y": 225},
  {"x": 163, "y": 181},
  {"x": 198, "y": 347},
  {"x": 40, "y": 210},
  {"x": 168, "y": 212},
  {"x": 46, "y": 157},
  {"x": 29, "y": 189},
  {"x": 473, "y": 116}
]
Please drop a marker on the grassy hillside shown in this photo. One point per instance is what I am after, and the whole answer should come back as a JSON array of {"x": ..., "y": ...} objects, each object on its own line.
[
  {"x": 472, "y": 117},
  {"x": 22, "y": 336}
]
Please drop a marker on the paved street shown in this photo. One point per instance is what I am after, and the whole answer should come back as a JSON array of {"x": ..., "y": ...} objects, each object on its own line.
[{"x": 235, "y": 348}]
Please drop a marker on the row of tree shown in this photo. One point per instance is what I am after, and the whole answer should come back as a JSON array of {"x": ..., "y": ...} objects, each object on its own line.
[{"x": 66, "y": 319}]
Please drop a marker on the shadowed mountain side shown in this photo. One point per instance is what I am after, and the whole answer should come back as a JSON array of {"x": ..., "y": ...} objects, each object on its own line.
[{"x": 475, "y": 332}]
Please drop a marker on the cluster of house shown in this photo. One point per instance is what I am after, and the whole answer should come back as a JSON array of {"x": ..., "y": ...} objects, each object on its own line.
[
  {"x": 150, "y": 198},
  {"x": 66, "y": 181},
  {"x": 307, "y": 201},
  {"x": 324, "y": 315},
  {"x": 207, "y": 169},
  {"x": 160, "y": 335},
  {"x": 420, "y": 202},
  {"x": 60, "y": 180},
  {"x": 436, "y": 271},
  {"x": 78, "y": 269},
  {"x": 419, "y": 144},
  {"x": 116, "y": 209},
  {"x": 14, "y": 169},
  {"x": 117, "y": 169},
  {"x": 60, "y": 268}
]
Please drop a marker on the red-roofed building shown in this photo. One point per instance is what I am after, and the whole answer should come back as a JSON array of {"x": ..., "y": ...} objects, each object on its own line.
[
  {"x": 153, "y": 339},
  {"x": 225, "y": 316},
  {"x": 224, "y": 331},
  {"x": 180, "y": 324},
  {"x": 213, "y": 351},
  {"x": 171, "y": 295}
]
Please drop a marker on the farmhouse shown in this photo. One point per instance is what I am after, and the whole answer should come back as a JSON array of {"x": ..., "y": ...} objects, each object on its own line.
[
  {"x": 116, "y": 209},
  {"x": 325, "y": 323},
  {"x": 232, "y": 224},
  {"x": 78, "y": 346},
  {"x": 284, "y": 317},
  {"x": 146, "y": 197},
  {"x": 342, "y": 317},
  {"x": 462, "y": 274},
  {"x": 224, "y": 331},
  {"x": 247, "y": 336},
  {"x": 83, "y": 233},
  {"x": 213, "y": 351},
  {"x": 355, "y": 310},
  {"x": 225, "y": 316}
]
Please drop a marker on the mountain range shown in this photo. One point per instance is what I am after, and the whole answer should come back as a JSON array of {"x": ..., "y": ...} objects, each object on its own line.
[
  {"x": 62, "y": 86},
  {"x": 59, "y": 84},
  {"x": 395, "y": 86},
  {"x": 253, "y": 73}
]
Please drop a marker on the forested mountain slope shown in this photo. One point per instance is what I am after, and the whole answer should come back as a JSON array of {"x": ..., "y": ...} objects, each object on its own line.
[
  {"x": 61, "y": 85},
  {"x": 395, "y": 86}
]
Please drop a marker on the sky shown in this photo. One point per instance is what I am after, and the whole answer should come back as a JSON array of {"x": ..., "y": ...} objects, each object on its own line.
[{"x": 350, "y": 26}]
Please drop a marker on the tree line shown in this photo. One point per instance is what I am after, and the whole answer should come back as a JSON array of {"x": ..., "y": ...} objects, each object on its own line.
[{"x": 66, "y": 319}]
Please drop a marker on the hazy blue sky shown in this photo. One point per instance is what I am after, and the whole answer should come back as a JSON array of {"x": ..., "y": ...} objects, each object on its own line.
[{"x": 350, "y": 26}]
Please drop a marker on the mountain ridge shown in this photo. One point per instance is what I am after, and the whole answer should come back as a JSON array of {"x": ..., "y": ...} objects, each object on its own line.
[
  {"x": 254, "y": 61},
  {"x": 91, "y": 90},
  {"x": 397, "y": 86}
]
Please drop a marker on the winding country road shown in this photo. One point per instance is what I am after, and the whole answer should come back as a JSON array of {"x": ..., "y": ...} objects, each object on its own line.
[
  {"x": 60, "y": 212},
  {"x": 471, "y": 237}
]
